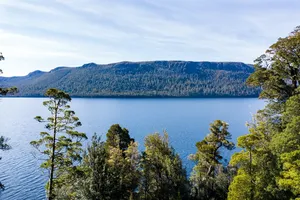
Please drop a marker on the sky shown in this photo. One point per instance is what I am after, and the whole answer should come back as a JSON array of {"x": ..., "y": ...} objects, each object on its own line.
[{"x": 45, "y": 34}]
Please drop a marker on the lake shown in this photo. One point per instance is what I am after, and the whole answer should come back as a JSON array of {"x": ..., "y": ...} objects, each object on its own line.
[{"x": 186, "y": 120}]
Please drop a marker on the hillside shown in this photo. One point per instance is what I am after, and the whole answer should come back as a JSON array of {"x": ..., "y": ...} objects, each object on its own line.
[{"x": 141, "y": 79}]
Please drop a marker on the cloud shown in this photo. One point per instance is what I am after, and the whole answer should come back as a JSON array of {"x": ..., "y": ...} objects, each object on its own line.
[{"x": 46, "y": 34}]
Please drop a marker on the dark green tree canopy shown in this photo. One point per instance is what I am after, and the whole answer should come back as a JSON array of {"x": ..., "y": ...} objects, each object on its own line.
[
  {"x": 141, "y": 79},
  {"x": 111, "y": 173},
  {"x": 118, "y": 136},
  {"x": 164, "y": 176},
  {"x": 277, "y": 71},
  {"x": 268, "y": 164},
  {"x": 3, "y": 144},
  {"x": 217, "y": 138}
]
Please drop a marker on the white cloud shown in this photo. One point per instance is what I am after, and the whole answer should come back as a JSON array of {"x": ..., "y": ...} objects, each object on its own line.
[{"x": 45, "y": 34}]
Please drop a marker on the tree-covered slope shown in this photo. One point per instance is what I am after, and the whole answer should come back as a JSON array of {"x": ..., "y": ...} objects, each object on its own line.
[{"x": 156, "y": 78}]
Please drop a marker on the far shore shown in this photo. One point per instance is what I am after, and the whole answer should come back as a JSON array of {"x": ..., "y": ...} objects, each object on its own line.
[{"x": 141, "y": 97}]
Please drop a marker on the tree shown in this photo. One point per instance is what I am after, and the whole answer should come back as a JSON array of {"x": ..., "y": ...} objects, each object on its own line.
[
  {"x": 3, "y": 146},
  {"x": 118, "y": 137},
  {"x": 268, "y": 161},
  {"x": 258, "y": 164},
  {"x": 163, "y": 176},
  {"x": 3, "y": 140},
  {"x": 1, "y": 57},
  {"x": 95, "y": 184},
  {"x": 157, "y": 78},
  {"x": 123, "y": 161},
  {"x": 277, "y": 71},
  {"x": 209, "y": 170},
  {"x": 61, "y": 143},
  {"x": 112, "y": 172},
  {"x": 5, "y": 91},
  {"x": 123, "y": 169},
  {"x": 286, "y": 145},
  {"x": 245, "y": 177}
]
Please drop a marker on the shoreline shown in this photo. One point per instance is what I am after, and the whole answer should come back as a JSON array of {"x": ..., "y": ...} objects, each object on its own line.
[{"x": 142, "y": 97}]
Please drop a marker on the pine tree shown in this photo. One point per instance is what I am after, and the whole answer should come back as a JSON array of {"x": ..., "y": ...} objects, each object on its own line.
[
  {"x": 208, "y": 177},
  {"x": 61, "y": 143}
]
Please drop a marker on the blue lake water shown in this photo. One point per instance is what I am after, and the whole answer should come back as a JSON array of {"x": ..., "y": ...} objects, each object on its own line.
[{"x": 186, "y": 121}]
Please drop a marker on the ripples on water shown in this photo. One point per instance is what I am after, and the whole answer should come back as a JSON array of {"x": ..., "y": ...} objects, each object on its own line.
[{"x": 186, "y": 121}]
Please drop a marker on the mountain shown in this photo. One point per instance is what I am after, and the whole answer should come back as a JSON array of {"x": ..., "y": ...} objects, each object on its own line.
[{"x": 141, "y": 79}]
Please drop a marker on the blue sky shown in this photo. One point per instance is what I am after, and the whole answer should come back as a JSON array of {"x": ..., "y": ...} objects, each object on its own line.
[{"x": 44, "y": 34}]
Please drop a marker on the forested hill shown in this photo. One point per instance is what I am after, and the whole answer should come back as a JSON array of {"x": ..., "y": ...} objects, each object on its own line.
[{"x": 141, "y": 79}]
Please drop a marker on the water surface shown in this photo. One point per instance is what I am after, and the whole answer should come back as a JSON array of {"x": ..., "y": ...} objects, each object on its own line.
[{"x": 186, "y": 120}]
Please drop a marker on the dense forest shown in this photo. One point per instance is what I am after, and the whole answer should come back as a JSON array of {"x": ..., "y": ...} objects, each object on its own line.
[
  {"x": 141, "y": 79},
  {"x": 266, "y": 168}
]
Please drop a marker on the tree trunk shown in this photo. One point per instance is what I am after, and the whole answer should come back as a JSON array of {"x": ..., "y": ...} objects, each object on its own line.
[
  {"x": 50, "y": 195},
  {"x": 251, "y": 179}
]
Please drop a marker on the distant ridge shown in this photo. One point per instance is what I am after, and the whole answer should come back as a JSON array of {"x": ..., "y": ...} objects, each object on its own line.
[{"x": 141, "y": 79}]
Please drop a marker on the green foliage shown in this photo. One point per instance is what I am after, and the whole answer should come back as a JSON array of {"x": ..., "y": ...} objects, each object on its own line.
[
  {"x": 268, "y": 165},
  {"x": 118, "y": 137},
  {"x": 141, "y": 79},
  {"x": 163, "y": 176},
  {"x": 266, "y": 168},
  {"x": 240, "y": 187},
  {"x": 210, "y": 179},
  {"x": 3, "y": 143},
  {"x": 112, "y": 171},
  {"x": 277, "y": 71},
  {"x": 123, "y": 168},
  {"x": 9, "y": 90},
  {"x": 287, "y": 146},
  {"x": 61, "y": 144},
  {"x": 95, "y": 185},
  {"x": 3, "y": 146},
  {"x": 259, "y": 162},
  {"x": 3, "y": 140}
]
